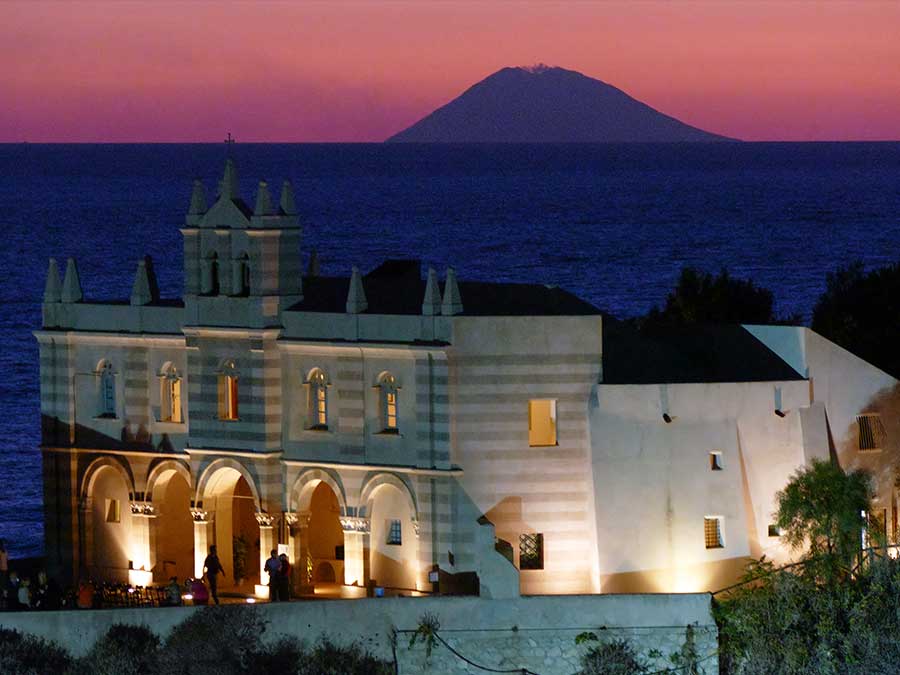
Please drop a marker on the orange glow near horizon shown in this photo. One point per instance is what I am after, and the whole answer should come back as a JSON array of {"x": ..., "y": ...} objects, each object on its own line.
[{"x": 361, "y": 71}]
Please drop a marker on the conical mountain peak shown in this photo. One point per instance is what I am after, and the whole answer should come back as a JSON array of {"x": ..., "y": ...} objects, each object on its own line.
[{"x": 548, "y": 104}]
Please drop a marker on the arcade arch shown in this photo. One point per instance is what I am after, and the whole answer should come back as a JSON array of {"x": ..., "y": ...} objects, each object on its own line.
[
  {"x": 109, "y": 543},
  {"x": 230, "y": 501},
  {"x": 391, "y": 509},
  {"x": 317, "y": 539},
  {"x": 172, "y": 534}
]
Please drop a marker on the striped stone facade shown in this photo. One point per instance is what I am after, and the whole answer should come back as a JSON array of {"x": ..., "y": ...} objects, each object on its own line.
[{"x": 454, "y": 465}]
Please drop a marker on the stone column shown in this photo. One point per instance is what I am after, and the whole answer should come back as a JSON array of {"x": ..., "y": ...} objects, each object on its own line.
[
  {"x": 356, "y": 550},
  {"x": 266, "y": 543},
  {"x": 201, "y": 539},
  {"x": 83, "y": 568},
  {"x": 301, "y": 559}
]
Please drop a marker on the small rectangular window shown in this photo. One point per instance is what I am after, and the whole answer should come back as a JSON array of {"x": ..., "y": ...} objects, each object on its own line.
[
  {"x": 531, "y": 551},
  {"x": 712, "y": 532},
  {"x": 774, "y": 531},
  {"x": 394, "y": 533},
  {"x": 228, "y": 397},
  {"x": 390, "y": 410},
  {"x": 170, "y": 399},
  {"x": 113, "y": 511},
  {"x": 321, "y": 407},
  {"x": 871, "y": 432},
  {"x": 542, "y": 422},
  {"x": 715, "y": 461}
]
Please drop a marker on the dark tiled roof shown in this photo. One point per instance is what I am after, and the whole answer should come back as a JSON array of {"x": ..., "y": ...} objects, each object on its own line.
[
  {"x": 242, "y": 205},
  {"x": 704, "y": 353},
  {"x": 396, "y": 287}
]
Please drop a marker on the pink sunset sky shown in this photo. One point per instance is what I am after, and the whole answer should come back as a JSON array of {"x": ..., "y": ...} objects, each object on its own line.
[{"x": 120, "y": 71}]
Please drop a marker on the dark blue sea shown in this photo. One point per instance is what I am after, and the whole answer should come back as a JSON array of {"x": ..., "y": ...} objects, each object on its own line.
[{"x": 612, "y": 223}]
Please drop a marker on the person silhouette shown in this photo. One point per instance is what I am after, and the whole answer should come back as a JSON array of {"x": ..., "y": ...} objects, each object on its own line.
[{"x": 212, "y": 567}]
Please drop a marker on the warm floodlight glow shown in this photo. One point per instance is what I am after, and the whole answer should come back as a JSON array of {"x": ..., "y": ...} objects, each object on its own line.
[
  {"x": 261, "y": 591},
  {"x": 187, "y": 596},
  {"x": 251, "y": 601},
  {"x": 140, "y": 578}
]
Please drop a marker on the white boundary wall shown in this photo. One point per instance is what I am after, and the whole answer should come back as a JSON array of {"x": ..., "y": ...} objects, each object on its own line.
[{"x": 537, "y": 632}]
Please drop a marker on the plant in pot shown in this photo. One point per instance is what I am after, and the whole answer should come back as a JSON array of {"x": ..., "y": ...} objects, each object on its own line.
[{"x": 239, "y": 548}]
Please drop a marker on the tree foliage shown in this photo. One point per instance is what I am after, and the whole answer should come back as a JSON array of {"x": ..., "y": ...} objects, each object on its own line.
[
  {"x": 860, "y": 311},
  {"x": 820, "y": 508},
  {"x": 702, "y": 297},
  {"x": 793, "y": 624}
]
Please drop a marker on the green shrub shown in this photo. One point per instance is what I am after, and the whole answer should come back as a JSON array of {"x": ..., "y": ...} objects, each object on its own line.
[
  {"x": 124, "y": 650},
  {"x": 30, "y": 655},
  {"x": 616, "y": 657},
  {"x": 215, "y": 640},
  {"x": 285, "y": 656},
  {"x": 327, "y": 658}
]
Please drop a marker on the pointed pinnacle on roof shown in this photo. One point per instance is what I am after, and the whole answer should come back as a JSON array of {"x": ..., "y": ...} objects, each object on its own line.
[
  {"x": 140, "y": 290},
  {"x": 452, "y": 303},
  {"x": 228, "y": 188},
  {"x": 288, "y": 207},
  {"x": 356, "y": 296},
  {"x": 312, "y": 269},
  {"x": 431, "y": 303},
  {"x": 71, "y": 290},
  {"x": 53, "y": 287},
  {"x": 263, "y": 200},
  {"x": 198, "y": 199}
]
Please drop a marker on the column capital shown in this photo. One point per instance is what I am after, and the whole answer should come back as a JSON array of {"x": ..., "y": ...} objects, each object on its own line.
[
  {"x": 143, "y": 509},
  {"x": 355, "y": 524},
  {"x": 264, "y": 519},
  {"x": 200, "y": 516},
  {"x": 297, "y": 518}
]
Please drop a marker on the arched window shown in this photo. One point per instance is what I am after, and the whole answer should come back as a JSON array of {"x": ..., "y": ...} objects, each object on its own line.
[
  {"x": 210, "y": 281},
  {"x": 228, "y": 390},
  {"x": 388, "y": 403},
  {"x": 241, "y": 275},
  {"x": 107, "y": 398},
  {"x": 169, "y": 394},
  {"x": 317, "y": 400}
]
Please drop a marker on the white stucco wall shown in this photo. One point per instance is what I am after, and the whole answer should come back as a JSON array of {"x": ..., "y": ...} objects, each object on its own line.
[{"x": 654, "y": 486}]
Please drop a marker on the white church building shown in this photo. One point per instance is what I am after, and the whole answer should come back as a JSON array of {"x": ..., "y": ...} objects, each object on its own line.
[{"x": 397, "y": 430}]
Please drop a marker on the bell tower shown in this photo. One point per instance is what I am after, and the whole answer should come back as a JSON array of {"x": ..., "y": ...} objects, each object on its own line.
[{"x": 242, "y": 265}]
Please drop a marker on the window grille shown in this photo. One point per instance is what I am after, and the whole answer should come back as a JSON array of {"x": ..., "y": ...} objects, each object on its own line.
[
  {"x": 395, "y": 533},
  {"x": 531, "y": 551},
  {"x": 871, "y": 432},
  {"x": 712, "y": 531}
]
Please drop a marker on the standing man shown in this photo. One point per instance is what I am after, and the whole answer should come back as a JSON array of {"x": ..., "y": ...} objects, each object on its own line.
[
  {"x": 211, "y": 568},
  {"x": 273, "y": 564}
]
